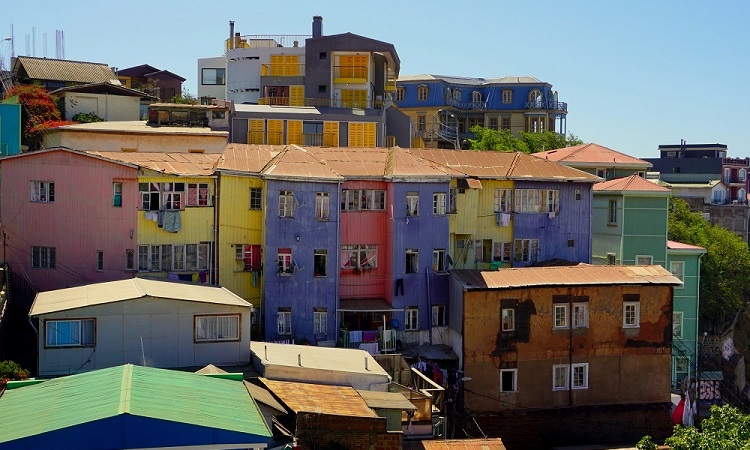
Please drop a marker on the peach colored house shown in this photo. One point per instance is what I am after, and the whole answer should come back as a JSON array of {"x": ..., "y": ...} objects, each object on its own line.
[{"x": 68, "y": 218}]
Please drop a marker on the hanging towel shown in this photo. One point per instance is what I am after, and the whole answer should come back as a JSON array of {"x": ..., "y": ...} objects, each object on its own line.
[
  {"x": 172, "y": 221},
  {"x": 195, "y": 278},
  {"x": 355, "y": 336},
  {"x": 160, "y": 218},
  {"x": 505, "y": 219},
  {"x": 173, "y": 276},
  {"x": 499, "y": 219},
  {"x": 202, "y": 275},
  {"x": 369, "y": 336}
]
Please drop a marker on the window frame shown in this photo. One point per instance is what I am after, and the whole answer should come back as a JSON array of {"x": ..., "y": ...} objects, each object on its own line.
[
  {"x": 636, "y": 313},
  {"x": 506, "y": 251},
  {"x": 400, "y": 92},
  {"x": 438, "y": 260},
  {"x": 514, "y": 381},
  {"x": 284, "y": 323},
  {"x": 411, "y": 265},
  {"x": 503, "y": 200},
  {"x": 80, "y": 337},
  {"x": 45, "y": 257},
  {"x": 42, "y": 191},
  {"x": 358, "y": 252},
  {"x": 573, "y": 381},
  {"x": 320, "y": 321},
  {"x": 438, "y": 316},
  {"x": 506, "y": 96},
  {"x": 510, "y": 324},
  {"x": 117, "y": 194},
  {"x": 197, "y": 200},
  {"x": 612, "y": 213},
  {"x": 680, "y": 273},
  {"x": 200, "y": 340},
  {"x": 680, "y": 323},
  {"x": 411, "y": 319},
  {"x": 219, "y": 80},
  {"x": 322, "y": 206},
  {"x": 100, "y": 260},
  {"x": 574, "y": 317},
  {"x": 423, "y": 93},
  {"x": 566, "y": 377},
  {"x": 412, "y": 204},
  {"x": 525, "y": 250},
  {"x": 284, "y": 262},
  {"x": 317, "y": 253},
  {"x": 374, "y": 200},
  {"x": 560, "y": 321},
  {"x": 256, "y": 199},
  {"x": 439, "y": 203},
  {"x": 639, "y": 257},
  {"x": 286, "y": 204}
]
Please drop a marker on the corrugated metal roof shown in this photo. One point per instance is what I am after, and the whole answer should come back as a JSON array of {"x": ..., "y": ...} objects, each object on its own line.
[
  {"x": 263, "y": 396},
  {"x": 138, "y": 127},
  {"x": 65, "y": 70},
  {"x": 592, "y": 154},
  {"x": 403, "y": 163},
  {"x": 298, "y": 162},
  {"x": 386, "y": 400},
  {"x": 200, "y": 164},
  {"x": 40, "y": 153},
  {"x": 104, "y": 87},
  {"x": 168, "y": 395},
  {"x": 468, "y": 81},
  {"x": 353, "y": 162},
  {"x": 633, "y": 183},
  {"x": 313, "y": 357},
  {"x": 248, "y": 158},
  {"x": 674, "y": 245},
  {"x": 133, "y": 288},
  {"x": 580, "y": 275},
  {"x": 320, "y": 398},
  {"x": 456, "y": 444}
]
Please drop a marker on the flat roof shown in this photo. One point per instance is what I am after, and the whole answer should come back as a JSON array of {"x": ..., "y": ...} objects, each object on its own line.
[
  {"x": 138, "y": 127},
  {"x": 387, "y": 400},
  {"x": 313, "y": 357},
  {"x": 320, "y": 398}
]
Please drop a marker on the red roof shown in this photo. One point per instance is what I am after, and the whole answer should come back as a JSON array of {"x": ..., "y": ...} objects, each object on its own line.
[
  {"x": 674, "y": 245},
  {"x": 633, "y": 183},
  {"x": 595, "y": 154}
]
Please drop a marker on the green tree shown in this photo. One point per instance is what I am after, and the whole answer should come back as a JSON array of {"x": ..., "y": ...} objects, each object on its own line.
[
  {"x": 39, "y": 113},
  {"x": 504, "y": 140},
  {"x": 87, "y": 118},
  {"x": 185, "y": 98},
  {"x": 726, "y": 428},
  {"x": 10, "y": 370},
  {"x": 548, "y": 140},
  {"x": 725, "y": 268}
]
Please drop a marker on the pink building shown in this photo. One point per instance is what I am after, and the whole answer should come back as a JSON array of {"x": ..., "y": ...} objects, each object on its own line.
[{"x": 68, "y": 218}]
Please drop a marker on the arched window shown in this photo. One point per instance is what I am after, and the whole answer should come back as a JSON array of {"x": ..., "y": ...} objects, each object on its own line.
[
  {"x": 535, "y": 97},
  {"x": 742, "y": 174},
  {"x": 457, "y": 95},
  {"x": 422, "y": 92},
  {"x": 400, "y": 93},
  {"x": 507, "y": 96},
  {"x": 476, "y": 96},
  {"x": 448, "y": 94}
]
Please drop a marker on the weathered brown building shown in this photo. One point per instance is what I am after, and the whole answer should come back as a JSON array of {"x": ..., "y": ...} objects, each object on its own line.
[{"x": 591, "y": 341}]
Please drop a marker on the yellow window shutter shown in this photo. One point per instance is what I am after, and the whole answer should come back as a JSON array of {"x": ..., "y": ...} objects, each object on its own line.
[
  {"x": 370, "y": 134},
  {"x": 347, "y": 98},
  {"x": 290, "y": 65},
  {"x": 360, "y": 66},
  {"x": 297, "y": 95},
  {"x": 356, "y": 134},
  {"x": 360, "y": 99},
  {"x": 331, "y": 134},
  {"x": 275, "y": 132},
  {"x": 294, "y": 132},
  {"x": 277, "y": 65},
  {"x": 255, "y": 134},
  {"x": 347, "y": 66}
]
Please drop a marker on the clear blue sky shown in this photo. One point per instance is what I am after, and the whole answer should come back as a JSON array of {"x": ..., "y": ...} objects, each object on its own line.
[{"x": 635, "y": 74}]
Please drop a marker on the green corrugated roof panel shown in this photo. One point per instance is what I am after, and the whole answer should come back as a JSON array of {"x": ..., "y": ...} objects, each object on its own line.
[{"x": 140, "y": 391}]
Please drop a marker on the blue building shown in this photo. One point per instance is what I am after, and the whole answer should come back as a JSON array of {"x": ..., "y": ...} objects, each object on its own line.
[{"x": 10, "y": 127}]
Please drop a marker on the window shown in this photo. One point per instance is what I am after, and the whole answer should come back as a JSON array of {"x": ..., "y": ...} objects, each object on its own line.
[
  {"x": 149, "y": 258},
  {"x": 320, "y": 321},
  {"x": 412, "y": 260},
  {"x": 438, "y": 204},
  {"x": 528, "y": 201},
  {"x": 284, "y": 322},
  {"x": 508, "y": 379},
  {"x": 580, "y": 315},
  {"x": 438, "y": 260},
  {"x": 320, "y": 260},
  {"x": 631, "y": 314},
  {"x": 476, "y": 96},
  {"x": 503, "y": 199},
  {"x": 42, "y": 257},
  {"x": 508, "y": 319},
  {"x": 321, "y": 89},
  {"x": 438, "y": 316},
  {"x": 150, "y": 193},
  {"x": 421, "y": 122},
  {"x": 196, "y": 256},
  {"x": 400, "y": 93},
  {"x": 43, "y": 191},
  {"x": 551, "y": 201},
  {"x": 172, "y": 195},
  {"x": 412, "y": 319},
  {"x": 362, "y": 200},
  {"x": 560, "y": 377},
  {"x": 580, "y": 376},
  {"x": 678, "y": 270},
  {"x": 535, "y": 97},
  {"x": 611, "y": 259},
  {"x": 681, "y": 365},
  {"x": 322, "y": 55},
  {"x": 493, "y": 123},
  {"x": 742, "y": 174},
  {"x": 457, "y": 95},
  {"x": 507, "y": 96},
  {"x": 422, "y": 92},
  {"x": 70, "y": 333},
  {"x": 322, "y": 203},
  {"x": 256, "y": 198},
  {"x": 116, "y": 194},
  {"x": 677, "y": 318},
  {"x": 505, "y": 123},
  {"x": 525, "y": 250},
  {"x": 727, "y": 175},
  {"x": 578, "y": 194},
  {"x": 359, "y": 256},
  {"x": 612, "y": 212},
  {"x": 560, "y": 312},
  {"x": 501, "y": 251},
  {"x": 248, "y": 257},
  {"x": 644, "y": 260},
  {"x": 213, "y": 76},
  {"x": 285, "y": 261},
  {"x": 197, "y": 194},
  {"x": 286, "y": 204},
  {"x": 100, "y": 260},
  {"x": 217, "y": 328},
  {"x": 412, "y": 204}
]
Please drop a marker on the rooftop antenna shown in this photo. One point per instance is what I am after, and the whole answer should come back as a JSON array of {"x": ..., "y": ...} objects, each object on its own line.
[
  {"x": 44, "y": 39},
  {"x": 33, "y": 41}
]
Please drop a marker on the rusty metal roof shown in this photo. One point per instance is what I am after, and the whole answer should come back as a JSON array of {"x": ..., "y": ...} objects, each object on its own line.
[
  {"x": 64, "y": 70},
  {"x": 491, "y": 164},
  {"x": 319, "y": 398},
  {"x": 199, "y": 164},
  {"x": 580, "y": 275},
  {"x": 456, "y": 444},
  {"x": 588, "y": 154},
  {"x": 404, "y": 163},
  {"x": 262, "y": 395},
  {"x": 353, "y": 162},
  {"x": 298, "y": 162},
  {"x": 633, "y": 183},
  {"x": 248, "y": 158}
]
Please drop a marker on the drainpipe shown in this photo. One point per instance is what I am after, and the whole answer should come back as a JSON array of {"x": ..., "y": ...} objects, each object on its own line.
[
  {"x": 338, "y": 264},
  {"x": 429, "y": 301},
  {"x": 214, "y": 268},
  {"x": 570, "y": 348}
]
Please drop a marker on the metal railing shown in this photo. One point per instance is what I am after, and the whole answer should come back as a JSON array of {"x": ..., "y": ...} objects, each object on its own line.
[
  {"x": 266, "y": 41},
  {"x": 547, "y": 105},
  {"x": 467, "y": 105},
  {"x": 322, "y": 102},
  {"x": 282, "y": 70},
  {"x": 350, "y": 72}
]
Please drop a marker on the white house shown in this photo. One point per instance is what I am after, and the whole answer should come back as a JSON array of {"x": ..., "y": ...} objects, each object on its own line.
[{"x": 141, "y": 321}]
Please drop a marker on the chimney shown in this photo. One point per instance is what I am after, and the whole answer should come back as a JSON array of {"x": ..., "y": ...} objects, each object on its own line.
[
  {"x": 231, "y": 34},
  {"x": 317, "y": 28}
]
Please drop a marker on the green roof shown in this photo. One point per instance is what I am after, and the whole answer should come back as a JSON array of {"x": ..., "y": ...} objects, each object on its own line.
[{"x": 160, "y": 394}]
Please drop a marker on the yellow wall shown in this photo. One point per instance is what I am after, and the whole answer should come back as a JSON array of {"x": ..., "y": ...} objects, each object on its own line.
[{"x": 239, "y": 225}]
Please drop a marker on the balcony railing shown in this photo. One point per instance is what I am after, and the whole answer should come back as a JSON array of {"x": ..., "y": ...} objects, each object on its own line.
[
  {"x": 322, "y": 102},
  {"x": 282, "y": 70},
  {"x": 467, "y": 105},
  {"x": 350, "y": 72},
  {"x": 742, "y": 161},
  {"x": 547, "y": 105},
  {"x": 266, "y": 41}
]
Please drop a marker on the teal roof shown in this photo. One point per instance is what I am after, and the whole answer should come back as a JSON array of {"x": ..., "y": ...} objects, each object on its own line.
[{"x": 160, "y": 394}]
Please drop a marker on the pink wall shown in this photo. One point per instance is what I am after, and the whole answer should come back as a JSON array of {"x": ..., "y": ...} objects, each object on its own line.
[
  {"x": 366, "y": 227},
  {"x": 80, "y": 222}
]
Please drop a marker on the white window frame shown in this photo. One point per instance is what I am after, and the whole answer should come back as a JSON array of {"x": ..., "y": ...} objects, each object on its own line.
[
  {"x": 284, "y": 323},
  {"x": 43, "y": 257},
  {"x": 412, "y": 204},
  {"x": 551, "y": 198},
  {"x": 217, "y": 327},
  {"x": 584, "y": 383},
  {"x": 631, "y": 308},
  {"x": 363, "y": 200},
  {"x": 677, "y": 268},
  {"x": 601, "y": 173},
  {"x": 411, "y": 320},
  {"x": 560, "y": 372},
  {"x": 198, "y": 200},
  {"x": 149, "y": 258},
  {"x": 580, "y": 316},
  {"x": 504, "y": 250},
  {"x": 438, "y": 316},
  {"x": 527, "y": 201},
  {"x": 612, "y": 212},
  {"x": 514, "y": 388},
  {"x": 438, "y": 203},
  {"x": 678, "y": 323},
  {"x": 320, "y": 321},
  {"x": 503, "y": 200},
  {"x": 322, "y": 205},
  {"x": 525, "y": 250},
  {"x": 284, "y": 263},
  {"x": 639, "y": 258},
  {"x": 43, "y": 191},
  {"x": 507, "y": 96},
  {"x": 117, "y": 194},
  {"x": 508, "y": 319},
  {"x": 256, "y": 198},
  {"x": 77, "y": 336},
  {"x": 411, "y": 254},
  {"x": 476, "y": 97},
  {"x": 742, "y": 174},
  {"x": 355, "y": 256},
  {"x": 286, "y": 203},
  {"x": 438, "y": 260},
  {"x": 560, "y": 317}
]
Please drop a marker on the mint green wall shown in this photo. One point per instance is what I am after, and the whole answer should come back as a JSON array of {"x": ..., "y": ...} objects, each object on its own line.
[{"x": 686, "y": 300}]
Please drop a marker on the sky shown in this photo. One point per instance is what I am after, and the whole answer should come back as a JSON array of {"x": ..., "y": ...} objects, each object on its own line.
[{"x": 635, "y": 73}]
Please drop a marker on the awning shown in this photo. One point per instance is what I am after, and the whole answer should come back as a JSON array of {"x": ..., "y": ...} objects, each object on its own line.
[
  {"x": 365, "y": 305},
  {"x": 468, "y": 183}
]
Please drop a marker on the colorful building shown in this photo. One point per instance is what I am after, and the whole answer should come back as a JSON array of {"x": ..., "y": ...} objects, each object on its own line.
[
  {"x": 443, "y": 109},
  {"x": 10, "y": 127}
]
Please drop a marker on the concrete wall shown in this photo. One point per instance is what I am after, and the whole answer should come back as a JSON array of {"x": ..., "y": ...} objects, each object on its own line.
[
  {"x": 108, "y": 107},
  {"x": 166, "y": 327},
  {"x": 217, "y": 91}
]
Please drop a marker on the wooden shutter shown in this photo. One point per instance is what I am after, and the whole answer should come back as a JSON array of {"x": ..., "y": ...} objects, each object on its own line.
[
  {"x": 356, "y": 134},
  {"x": 297, "y": 95},
  {"x": 277, "y": 65},
  {"x": 331, "y": 134},
  {"x": 275, "y": 132},
  {"x": 290, "y": 65},
  {"x": 370, "y": 134},
  {"x": 255, "y": 135},
  {"x": 294, "y": 132}
]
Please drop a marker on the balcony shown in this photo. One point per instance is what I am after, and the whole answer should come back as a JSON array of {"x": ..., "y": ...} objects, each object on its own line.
[
  {"x": 560, "y": 107},
  {"x": 321, "y": 102},
  {"x": 282, "y": 70},
  {"x": 737, "y": 161},
  {"x": 350, "y": 74},
  {"x": 466, "y": 106},
  {"x": 266, "y": 41},
  {"x": 390, "y": 84}
]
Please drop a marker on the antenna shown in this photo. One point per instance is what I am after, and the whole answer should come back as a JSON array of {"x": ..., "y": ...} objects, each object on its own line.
[{"x": 44, "y": 39}]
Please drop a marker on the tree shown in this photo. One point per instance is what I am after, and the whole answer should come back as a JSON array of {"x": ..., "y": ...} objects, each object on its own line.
[
  {"x": 725, "y": 267},
  {"x": 726, "y": 428},
  {"x": 185, "y": 98},
  {"x": 504, "y": 140},
  {"x": 10, "y": 370},
  {"x": 39, "y": 113},
  {"x": 87, "y": 118}
]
